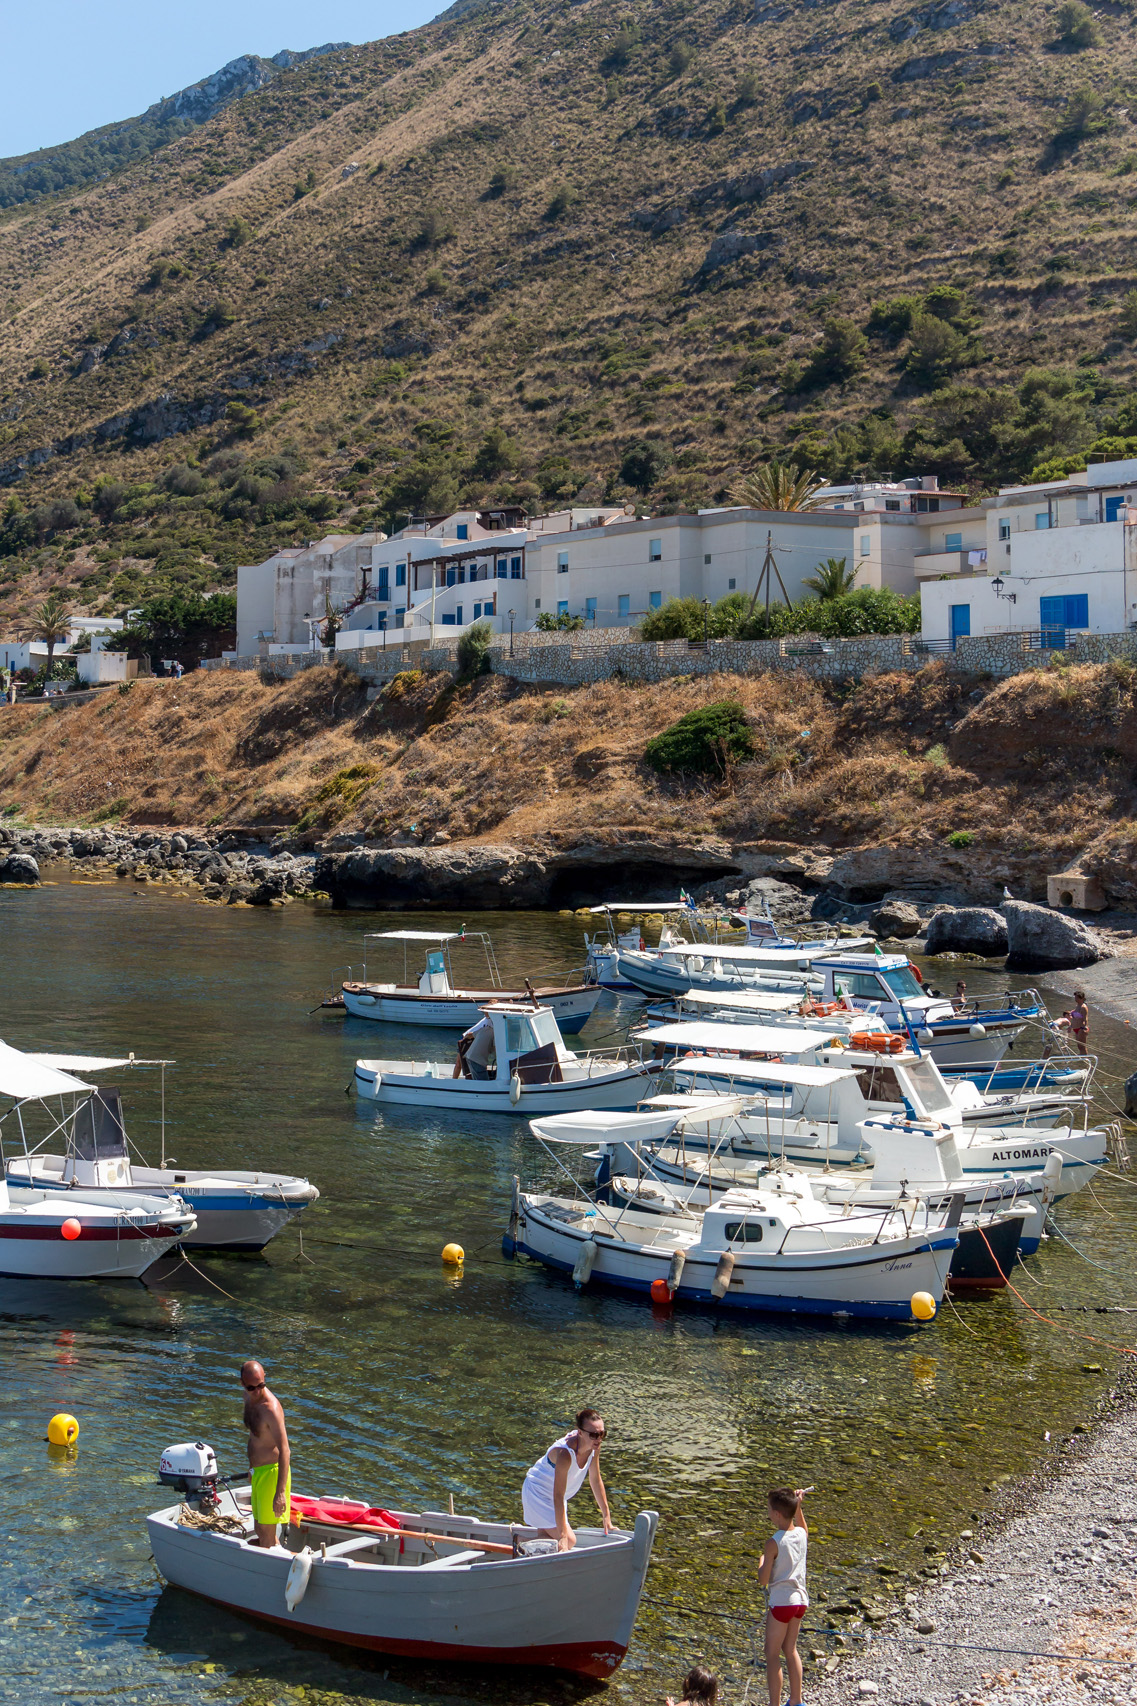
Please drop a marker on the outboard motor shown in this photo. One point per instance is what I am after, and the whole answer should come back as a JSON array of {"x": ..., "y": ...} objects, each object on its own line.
[{"x": 191, "y": 1468}]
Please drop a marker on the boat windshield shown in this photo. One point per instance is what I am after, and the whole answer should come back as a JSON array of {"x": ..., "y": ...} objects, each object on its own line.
[
  {"x": 527, "y": 1031},
  {"x": 99, "y": 1133},
  {"x": 902, "y": 983}
]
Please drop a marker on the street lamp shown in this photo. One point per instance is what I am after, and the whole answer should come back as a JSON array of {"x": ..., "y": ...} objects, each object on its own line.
[
  {"x": 706, "y": 620},
  {"x": 997, "y": 584},
  {"x": 511, "y": 614}
]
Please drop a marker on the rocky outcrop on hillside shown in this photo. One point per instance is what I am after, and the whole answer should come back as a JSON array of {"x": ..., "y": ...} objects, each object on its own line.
[{"x": 227, "y": 867}]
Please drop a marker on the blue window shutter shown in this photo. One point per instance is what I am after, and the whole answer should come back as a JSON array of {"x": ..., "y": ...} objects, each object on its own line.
[
  {"x": 960, "y": 622},
  {"x": 1077, "y": 610},
  {"x": 463, "y": 531}
]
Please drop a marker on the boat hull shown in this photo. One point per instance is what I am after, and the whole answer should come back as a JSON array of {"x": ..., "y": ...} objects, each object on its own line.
[
  {"x": 876, "y": 1282},
  {"x": 615, "y": 1090},
  {"x": 35, "y": 1249},
  {"x": 574, "y": 1610},
  {"x": 463, "y": 1008}
]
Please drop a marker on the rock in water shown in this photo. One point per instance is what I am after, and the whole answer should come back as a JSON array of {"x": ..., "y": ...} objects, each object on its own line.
[
  {"x": 1041, "y": 940},
  {"x": 970, "y": 930},
  {"x": 19, "y": 868},
  {"x": 896, "y": 918},
  {"x": 1131, "y": 1095}
]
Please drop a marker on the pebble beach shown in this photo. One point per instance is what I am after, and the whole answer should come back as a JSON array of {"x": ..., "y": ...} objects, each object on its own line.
[{"x": 1040, "y": 1605}]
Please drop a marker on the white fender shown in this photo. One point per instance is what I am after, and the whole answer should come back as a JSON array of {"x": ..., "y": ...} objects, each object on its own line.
[
  {"x": 582, "y": 1272},
  {"x": 297, "y": 1584},
  {"x": 515, "y": 1089},
  {"x": 977, "y": 1031},
  {"x": 722, "y": 1274}
]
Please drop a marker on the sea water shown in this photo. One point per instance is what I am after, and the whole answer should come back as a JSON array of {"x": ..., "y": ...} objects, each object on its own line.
[{"x": 405, "y": 1382}]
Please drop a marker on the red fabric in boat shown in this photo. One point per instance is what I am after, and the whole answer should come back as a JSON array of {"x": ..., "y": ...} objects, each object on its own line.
[{"x": 356, "y": 1516}]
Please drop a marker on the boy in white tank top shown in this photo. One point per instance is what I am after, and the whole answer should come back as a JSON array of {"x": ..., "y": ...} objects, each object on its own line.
[{"x": 782, "y": 1572}]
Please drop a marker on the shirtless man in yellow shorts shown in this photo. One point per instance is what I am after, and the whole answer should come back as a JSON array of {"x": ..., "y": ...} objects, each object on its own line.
[{"x": 269, "y": 1457}]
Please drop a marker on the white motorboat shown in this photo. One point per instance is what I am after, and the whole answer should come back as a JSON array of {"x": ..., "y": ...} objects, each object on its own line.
[
  {"x": 101, "y": 1235},
  {"x": 720, "y": 966},
  {"x": 437, "y": 999},
  {"x": 979, "y": 1034},
  {"x": 753, "y": 1249},
  {"x": 232, "y": 1210},
  {"x": 424, "y": 1585},
  {"x": 532, "y": 1071},
  {"x": 604, "y": 948}
]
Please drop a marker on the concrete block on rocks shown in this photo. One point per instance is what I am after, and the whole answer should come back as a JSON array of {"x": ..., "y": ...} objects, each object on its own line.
[
  {"x": 969, "y": 930},
  {"x": 1041, "y": 940}
]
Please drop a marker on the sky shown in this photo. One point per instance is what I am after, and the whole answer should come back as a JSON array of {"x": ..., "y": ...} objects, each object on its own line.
[{"x": 72, "y": 65}]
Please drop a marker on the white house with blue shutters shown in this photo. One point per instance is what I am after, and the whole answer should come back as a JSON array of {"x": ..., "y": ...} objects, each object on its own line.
[{"x": 1058, "y": 559}]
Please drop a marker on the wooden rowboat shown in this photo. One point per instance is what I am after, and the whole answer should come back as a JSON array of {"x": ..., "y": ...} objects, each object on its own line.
[{"x": 432, "y": 1588}]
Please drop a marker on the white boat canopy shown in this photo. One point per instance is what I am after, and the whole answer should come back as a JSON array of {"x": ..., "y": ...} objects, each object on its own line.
[
  {"x": 743, "y": 1002},
  {"x": 416, "y": 935},
  {"x": 92, "y": 1062},
  {"x": 24, "y": 1078},
  {"x": 770, "y": 1072},
  {"x": 589, "y": 1128},
  {"x": 745, "y": 955},
  {"x": 642, "y": 906},
  {"x": 730, "y": 1038}
]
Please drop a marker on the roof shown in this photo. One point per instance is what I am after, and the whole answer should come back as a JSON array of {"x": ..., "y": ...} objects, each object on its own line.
[
  {"x": 414, "y": 935},
  {"x": 757, "y": 1039},
  {"x": 23, "y": 1077},
  {"x": 743, "y": 1001},
  {"x": 766, "y": 1072}
]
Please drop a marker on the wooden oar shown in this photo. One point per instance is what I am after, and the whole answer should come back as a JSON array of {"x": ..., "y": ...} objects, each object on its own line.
[{"x": 411, "y": 1534}]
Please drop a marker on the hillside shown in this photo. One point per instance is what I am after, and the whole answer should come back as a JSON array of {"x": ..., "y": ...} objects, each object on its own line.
[
  {"x": 945, "y": 774},
  {"x": 485, "y": 258}
]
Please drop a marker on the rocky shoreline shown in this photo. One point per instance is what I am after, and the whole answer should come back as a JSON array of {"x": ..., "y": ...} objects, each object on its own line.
[
  {"x": 1039, "y": 1604},
  {"x": 224, "y": 867}
]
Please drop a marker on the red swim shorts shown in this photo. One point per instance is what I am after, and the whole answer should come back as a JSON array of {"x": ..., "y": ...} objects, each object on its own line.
[{"x": 787, "y": 1613}]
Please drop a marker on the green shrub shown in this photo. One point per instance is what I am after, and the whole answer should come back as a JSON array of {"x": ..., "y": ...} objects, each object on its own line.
[
  {"x": 559, "y": 622},
  {"x": 709, "y": 740},
  {"x": 473, "y": 651},
  {"x": 961, "y": 838}
]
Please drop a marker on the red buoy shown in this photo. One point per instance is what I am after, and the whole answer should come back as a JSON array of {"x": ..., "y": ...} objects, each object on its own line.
[
  {"x": 71, "y": 1230},
  {"x": 660, "y": 1291}
]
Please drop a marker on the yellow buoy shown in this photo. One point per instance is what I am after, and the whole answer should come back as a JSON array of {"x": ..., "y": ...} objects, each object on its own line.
[
  {"x": 923, "y": 1305},
  {"x": 62, "y": 1430},
  {"x": 453, "y": 1255}
]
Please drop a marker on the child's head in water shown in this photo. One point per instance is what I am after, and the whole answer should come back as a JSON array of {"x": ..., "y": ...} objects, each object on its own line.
[{"x": 700, "y": 1687}]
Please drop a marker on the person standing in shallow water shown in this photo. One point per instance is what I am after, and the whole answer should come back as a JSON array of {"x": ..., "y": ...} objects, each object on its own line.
[
  {"x": 559, "y": 1474},
  {"x": 782, "y": 1573}
]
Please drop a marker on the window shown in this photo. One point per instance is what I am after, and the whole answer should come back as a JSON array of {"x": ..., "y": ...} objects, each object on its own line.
[
  {"x": 866, "y": 544},
  {"x": 953, "y": 541},
  {"x": 383, "y": 590},
  {"x": 1004, "y": 530},
  {"x": 743, "y": 1232},
  {"x": 859, "y": 983},
  {"x": 503, "y": 568},
  {"x": 490, "y": 607},
  {"x": 927, "y": 506},
  {"x": 462, "y": 531},
  {"x": 655, "y": 599},
  {"x": 590, "y": 609},
  {"x": 515, "y": 568},
  {"x": 655, "y": 550},
  {"x": 451, "y": 576},
  {"x": 1042, "y": 520},
  {"x": 477, "y": 611},
  {"x": 892, "y": 503},
  {"x": 706, "y": 556},
  {"x": 447, "y": 617},
  {"x": 400, "y": 612},
  {"x": 562, "y": 606},
  {"x": 536, "y": 604},
  {"x": 400, "y": 574},
  {"x": 562, "y": 562},
  {"x": 1058, "y": 614},
  {"x": 624, "y": 604},
  {"x": 730, "y": 585},
  {"x": 902, "y": 983}
]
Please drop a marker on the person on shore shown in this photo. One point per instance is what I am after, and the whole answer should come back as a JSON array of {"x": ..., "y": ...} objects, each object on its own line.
[
  {"x": 782, "y": 1574},
  {"x": 700, "y": 1688},
  {"x": 269, "y": 1456},
  {"x": 1079, "y": 1017},
  {"x": 558, "y": 1475}
]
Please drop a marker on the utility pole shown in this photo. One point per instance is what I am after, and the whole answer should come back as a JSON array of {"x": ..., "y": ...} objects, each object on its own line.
[{"x": 769, "y": 567}]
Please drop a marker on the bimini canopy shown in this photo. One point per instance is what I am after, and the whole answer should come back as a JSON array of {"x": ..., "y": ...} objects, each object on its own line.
[
  {"x": 765, "y": 1071},
  {"x": 642, "y": 906},
  {"x": 644, "y": 1126},
  {"x": 24, "y": 1078},
  {"x": 415, "y": 935},
  {"x": 91, "y": 1062},
  {"x": 742, "y": 1001},
  {"x": 717, "y": 1035},
  {"x": 745, "y": 955}
]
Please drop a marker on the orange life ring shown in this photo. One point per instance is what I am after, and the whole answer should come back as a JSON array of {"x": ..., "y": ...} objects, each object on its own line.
[
  {"x": 876, "y": 1042},
  {"x": 916, "y": 972}
]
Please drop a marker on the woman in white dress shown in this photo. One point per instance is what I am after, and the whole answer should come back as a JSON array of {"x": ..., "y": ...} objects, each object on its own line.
[{"x": 559, "y": 1474}]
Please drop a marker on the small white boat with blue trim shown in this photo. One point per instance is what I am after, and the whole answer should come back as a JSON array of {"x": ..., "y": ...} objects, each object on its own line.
[
  {"x": 527, "y": 1070},
  {"x": 438, "y": 999},
  {"x": 239, "y": 1211}
]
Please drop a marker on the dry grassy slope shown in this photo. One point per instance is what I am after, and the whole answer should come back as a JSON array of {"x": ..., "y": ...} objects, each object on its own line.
[
  {"x": 923, "y": 184},
  {"x": 1038, "y": 768}
]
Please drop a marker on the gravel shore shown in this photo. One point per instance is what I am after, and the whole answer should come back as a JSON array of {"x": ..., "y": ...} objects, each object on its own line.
[{"x": 1054, "y": 1573}]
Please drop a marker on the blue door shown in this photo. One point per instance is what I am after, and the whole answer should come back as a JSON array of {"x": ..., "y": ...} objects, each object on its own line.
[
  {"x": 1058, "y": 614},
  {"x": 1112, "y": 507},
  {"x": 960, "y": 622}
]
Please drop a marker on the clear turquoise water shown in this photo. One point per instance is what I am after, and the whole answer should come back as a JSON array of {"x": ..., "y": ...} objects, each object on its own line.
[{"x": 403, "y": 1383}]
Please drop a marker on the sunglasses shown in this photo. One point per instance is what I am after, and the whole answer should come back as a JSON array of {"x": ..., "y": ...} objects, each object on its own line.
[
  {"x": 592, "y": 1433},
  {"x": 256, "y": 1387}
]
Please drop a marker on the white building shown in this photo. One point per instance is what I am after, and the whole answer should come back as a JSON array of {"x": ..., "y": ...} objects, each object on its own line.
[{"x": 1056, "y": 558}]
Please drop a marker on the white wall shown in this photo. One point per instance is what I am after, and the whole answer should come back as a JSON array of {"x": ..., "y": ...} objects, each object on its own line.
[
  {"x": 255, "y": 606},
  {"x": 1099, "y": 561},
  {"x": 99, "y": 666}
]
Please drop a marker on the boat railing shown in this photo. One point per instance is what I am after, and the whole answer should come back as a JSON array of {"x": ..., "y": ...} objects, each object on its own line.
[{"x": 1035, "y": 1073}]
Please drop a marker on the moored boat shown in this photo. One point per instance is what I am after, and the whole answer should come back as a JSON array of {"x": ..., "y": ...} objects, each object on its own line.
[
  {"x": 430, "y": 1585},
  {"x": 529, "y": 1071},
  {"x": 439, "y": 1001}
]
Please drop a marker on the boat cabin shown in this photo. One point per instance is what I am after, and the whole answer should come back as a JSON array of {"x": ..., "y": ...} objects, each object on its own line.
[
  {"x": 524, "y": 1042},
  {"x": 97, "y": 1151},
  {"x": 880, "y": 983}
]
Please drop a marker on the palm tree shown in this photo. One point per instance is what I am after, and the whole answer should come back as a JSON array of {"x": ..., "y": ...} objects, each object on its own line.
[
  {"x": 52, "y": 621},
  {"x": 831, "y": 579},
  {"x": 781, "y": 487}
]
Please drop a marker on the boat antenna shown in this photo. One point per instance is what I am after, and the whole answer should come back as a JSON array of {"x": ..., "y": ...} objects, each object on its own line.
[{"x": 163, "y": 1116}]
